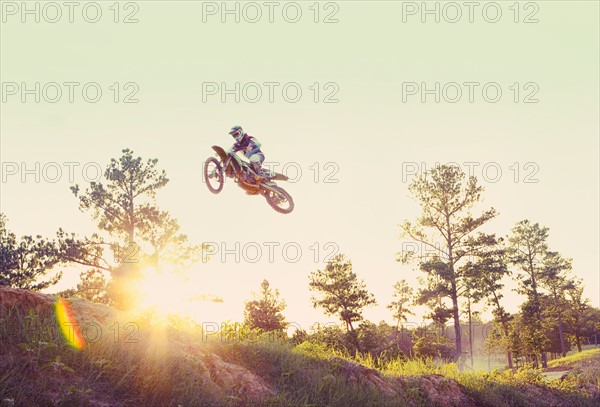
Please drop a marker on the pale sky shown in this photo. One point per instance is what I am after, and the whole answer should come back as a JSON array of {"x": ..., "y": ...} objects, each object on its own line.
[{"x": 372, "y": 136}]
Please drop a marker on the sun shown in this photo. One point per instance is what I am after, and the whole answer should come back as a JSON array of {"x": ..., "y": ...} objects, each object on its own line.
[
  {"x": 170, "y": 295},
  {"x": 165, "y": 292}
]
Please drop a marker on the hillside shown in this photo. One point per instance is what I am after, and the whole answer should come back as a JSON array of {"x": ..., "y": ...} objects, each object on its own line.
[{"x": 116, "y": 360}]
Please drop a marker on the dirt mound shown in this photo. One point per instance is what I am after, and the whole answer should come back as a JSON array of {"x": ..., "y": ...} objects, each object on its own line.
[
  {"x": 436, "y": 389},
  {"x": 25, "y": 300},
  {"x": 89, "y": 311},
  {"x": 224, "y": 380},
  {"x": 234, "y": 379}
]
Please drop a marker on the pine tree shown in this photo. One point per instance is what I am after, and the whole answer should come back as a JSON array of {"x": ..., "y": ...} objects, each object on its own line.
[
  {"x": 264, "y": 311},
  {"x": 26, "y": 261},
  {"x": 340, "y": 293},
  {"x": 403, "y": 295},
  {"x": 445, "y": 228}
]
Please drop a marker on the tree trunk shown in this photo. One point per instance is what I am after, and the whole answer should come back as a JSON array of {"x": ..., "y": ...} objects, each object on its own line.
[
  {"x": 456, "y": 319},
  {"x": 454, "y": 293},
  {"x": 563, "y": 347},
  {"x": 508, "y": 352},
  {"x": 354, "y": 336},
  {"x": 506, "y": 335},
  {"x": 470, "y": 333},
  {"x": 455, "y": 312},
  {"x": 544, "y": 359},
  {"x": 544, "y": 356},
  {"x": 561, "y": 334},
  {"x": 456, "y": 322},
  {"x": 504, "y": 322}
]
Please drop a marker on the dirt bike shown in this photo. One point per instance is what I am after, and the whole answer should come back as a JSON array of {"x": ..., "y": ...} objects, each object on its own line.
[{"x": 230, "y": 165}]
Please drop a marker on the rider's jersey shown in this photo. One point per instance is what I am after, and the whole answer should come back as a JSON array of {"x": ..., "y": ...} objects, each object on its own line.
[{"x": 248, "y": 141}]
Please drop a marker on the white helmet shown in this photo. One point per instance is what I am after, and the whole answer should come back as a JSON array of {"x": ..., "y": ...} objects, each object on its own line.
[{"x": 237, "y": 132}]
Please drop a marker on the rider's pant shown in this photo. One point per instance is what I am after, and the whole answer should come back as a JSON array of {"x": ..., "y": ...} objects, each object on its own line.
[{"x": 256, "y": 160}]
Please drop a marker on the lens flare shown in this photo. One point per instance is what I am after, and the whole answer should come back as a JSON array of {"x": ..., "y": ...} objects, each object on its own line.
[
  {"x": 68, "y": 324},
  {"x": 168, "y": 292}
]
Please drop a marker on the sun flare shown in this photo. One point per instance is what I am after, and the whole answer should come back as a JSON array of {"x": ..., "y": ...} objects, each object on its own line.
[{"x": 165, "y": 292}]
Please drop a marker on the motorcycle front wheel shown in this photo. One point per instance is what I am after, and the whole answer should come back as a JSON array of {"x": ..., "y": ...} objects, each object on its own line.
[
  {"x": 213, "y": 175},
  {"x": 280, "y": 200}
]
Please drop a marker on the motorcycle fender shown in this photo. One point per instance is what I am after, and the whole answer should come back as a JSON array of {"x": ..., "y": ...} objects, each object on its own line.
[
  {"x": 220, "y": 152},
  {"x": 268, "y": 186}
]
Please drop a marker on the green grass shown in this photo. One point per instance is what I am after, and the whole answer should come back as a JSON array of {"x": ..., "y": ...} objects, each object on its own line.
[
  {"x": 306, "y": 377},
  {"x": 583, "y": 373},
  {"x": 575, "y": 359},
  {"x": 39, "y": 368},
  {"x": 165, "y": 367},
  {"x": 320, "y": 383}
]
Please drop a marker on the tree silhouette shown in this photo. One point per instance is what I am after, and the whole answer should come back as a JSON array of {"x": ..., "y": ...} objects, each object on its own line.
[
  {"x": 264, "y": 311},
  {"x": 528, "y": 249},
  {"x": 582, "y": 319},
  {"x": 339, "y": 292},
  {"x": 139, "y": 233},
  {"x": 484, "y": 273},
  {"x": 555, "y": 279},
  {"x": 446, "y": 227},
  {"x": 24, "y": 262},
  {"x": 403, "y": 295}
]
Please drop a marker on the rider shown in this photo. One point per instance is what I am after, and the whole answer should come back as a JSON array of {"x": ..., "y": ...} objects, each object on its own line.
[{"x": 250, "y": 146}]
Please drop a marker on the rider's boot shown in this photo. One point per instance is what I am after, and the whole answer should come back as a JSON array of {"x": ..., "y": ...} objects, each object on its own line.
[{"x": 259, "y": 174}]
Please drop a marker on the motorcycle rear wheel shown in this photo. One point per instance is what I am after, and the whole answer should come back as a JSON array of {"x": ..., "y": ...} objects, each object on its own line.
[{"x": 278, "y": 198}]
